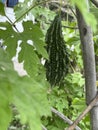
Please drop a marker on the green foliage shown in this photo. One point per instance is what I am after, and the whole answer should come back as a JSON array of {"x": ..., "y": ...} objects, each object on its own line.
[
  {"x": 26, "y": 94},
  {"x": 96, "y": 44},
  {"x": 82, "y": 5},
  {"x": 9, "y": 37},
  {"x": 58, "y": 98},
  {"x": 31, "y": 32},
  {"x": 55, "y": 123},
  {"x": 88, "y": 16},
  {"x": 94, "y": 11},
  {"x": 29, "y": 93},
  {"x": 68, "y": 99},
  {"x": 44, "y": 16},
  {"x": 2, "y": 12},
  {"x": 21, "y": 9},
  {"x": 34, "y": 33},
  {"x": 71, "y": 36},
  {"x": 41, "y": 14}
]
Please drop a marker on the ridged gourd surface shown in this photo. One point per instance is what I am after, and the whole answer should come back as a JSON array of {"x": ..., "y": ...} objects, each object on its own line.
[{"x": 57, "y": 64}]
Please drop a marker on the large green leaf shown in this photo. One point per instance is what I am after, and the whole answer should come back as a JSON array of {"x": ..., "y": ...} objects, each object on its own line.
[
  {"x": 29, "y": 96},
  {"x": 31, "y": 32},
  {"x": 28, "y": 52}
]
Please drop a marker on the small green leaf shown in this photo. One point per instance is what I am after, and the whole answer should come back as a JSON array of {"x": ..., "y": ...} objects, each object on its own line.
[{"x": 78, "y": 104}]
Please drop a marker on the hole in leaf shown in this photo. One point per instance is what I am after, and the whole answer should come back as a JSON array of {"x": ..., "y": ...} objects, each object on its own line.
[{"x": 30, "y": 42}]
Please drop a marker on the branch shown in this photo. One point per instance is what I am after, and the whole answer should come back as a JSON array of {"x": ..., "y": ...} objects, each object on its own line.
[
  {"x": 64, "y": 118},
  {"x": 80, "y": 117},
  {"x": 95, "y": 2}
]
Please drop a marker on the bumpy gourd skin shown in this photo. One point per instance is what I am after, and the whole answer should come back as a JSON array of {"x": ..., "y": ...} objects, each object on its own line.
[{"x": 57, "y": 65}]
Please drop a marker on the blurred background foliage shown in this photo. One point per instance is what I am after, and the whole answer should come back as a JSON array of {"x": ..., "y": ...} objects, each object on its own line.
[{"x": 32, "y": 95}]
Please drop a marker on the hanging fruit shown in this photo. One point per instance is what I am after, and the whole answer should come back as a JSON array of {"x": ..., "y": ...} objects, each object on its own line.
[{"x": 57, "y": 64}]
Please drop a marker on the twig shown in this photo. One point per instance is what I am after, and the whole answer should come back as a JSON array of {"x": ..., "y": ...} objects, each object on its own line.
[
  {"x": 95, "y": 2},
  {"x": 70, "y": 27},
  {"x": 72, "y": 11},
  {"x": 80, "y": 117},
  {"x": 63, "y": 117},
  {"x": 31, "y": 7},
  {"x": 12, "y": 23}
]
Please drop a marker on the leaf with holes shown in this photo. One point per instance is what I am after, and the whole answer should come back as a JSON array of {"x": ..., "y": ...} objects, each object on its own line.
[
  {"x": 28, "y": 52},
  {"x": 34, "y": 33}
]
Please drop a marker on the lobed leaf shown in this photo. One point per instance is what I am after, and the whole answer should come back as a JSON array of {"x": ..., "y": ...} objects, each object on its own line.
[{"x": 28, "y": 52}]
